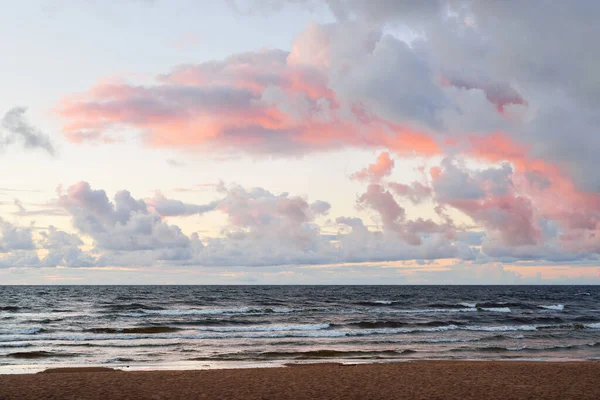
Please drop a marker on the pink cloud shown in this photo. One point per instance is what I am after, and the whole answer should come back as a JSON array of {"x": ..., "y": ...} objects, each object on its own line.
[
  {"x": 257, "y": 102},
  {"x": 393, "y": 217},
  {"x": 382, "y": 167}
]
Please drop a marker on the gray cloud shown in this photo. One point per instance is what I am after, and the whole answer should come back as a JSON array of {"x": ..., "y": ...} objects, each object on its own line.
[
  {"x": 14, "y": 128},
  {"x": 14, "y": 237},
  {"x": 169, "y": 208},
  {"x": 124, "y": 225}
]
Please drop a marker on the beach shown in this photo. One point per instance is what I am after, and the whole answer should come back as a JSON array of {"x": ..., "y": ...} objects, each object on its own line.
[{"x": 404, "y": 380}]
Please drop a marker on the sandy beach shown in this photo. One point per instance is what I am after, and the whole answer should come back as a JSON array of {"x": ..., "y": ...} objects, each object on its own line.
[{"x": 413, "y": 380}]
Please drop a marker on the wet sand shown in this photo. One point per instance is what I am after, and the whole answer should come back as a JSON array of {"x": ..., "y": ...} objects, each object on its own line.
[{"x": 410, "y": 380}]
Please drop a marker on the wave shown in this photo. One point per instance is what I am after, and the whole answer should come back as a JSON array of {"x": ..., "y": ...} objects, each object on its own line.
[
  {"x": 452, "y": 305},
  {"x": 38, "y": 354},
  {"x": 212, "y": 311},
  {"x": 269, "y": 328},
  {"x": 395, "y": 331},
  {"x": 121, "y": 345},
  {"x": 216, "y": 322},
  {"x": 10, "y": 308},
  {"x": 557, "y": 347},
  {"x": 451, "y": 309},
  {"x": 500, "y": 328},
  {"x": 110, "y": 308},
  {"x": 496, "y": 309},
  {"x": 583, "y": 294},
  {"x": 285, "y": 310},
  {"x": 425, "y": 310},
  {"x": 6, "y": 345},
  {"x": 539, "y": 319},
  {"x": 311, "y": 355},
  {"x": 32, "y": 331},
  {"x": 241, "y": 334},
  {"x": 146, "y": 329},
  {"x": 285, "y": 331},
  {"x": 557, "y": 307},
  {"x": 120, "y": 359},
  {"x": 375, "y": 302},
  {"x": 43, "y": 321},
  {"x": 447, "y": 340},
  {"x": 501, "y": 304},
  {"x": 395, "y": 324}
]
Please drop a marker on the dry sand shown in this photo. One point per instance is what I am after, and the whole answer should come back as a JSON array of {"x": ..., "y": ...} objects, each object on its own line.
[{"x": 414, "y": 380}]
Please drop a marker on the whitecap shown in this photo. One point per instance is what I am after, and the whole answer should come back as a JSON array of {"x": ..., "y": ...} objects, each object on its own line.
[
  {"x": 557, "y": 307},
  {"x": 501, "y": 328},
  {"x": 497, "y": 309},
  {"x": 267, "y": 328},
  {"x": 425, "y": 311}
]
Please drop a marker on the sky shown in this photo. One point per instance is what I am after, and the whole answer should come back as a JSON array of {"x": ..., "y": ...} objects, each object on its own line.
[{"x": 300, "y": 142}]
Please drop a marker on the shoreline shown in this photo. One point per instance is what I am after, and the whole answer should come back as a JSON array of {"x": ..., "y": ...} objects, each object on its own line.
[
  {"x": 28, "y": 369},
  {"x": 217, "y": 365},
  {"x": 415, "y": 379}
]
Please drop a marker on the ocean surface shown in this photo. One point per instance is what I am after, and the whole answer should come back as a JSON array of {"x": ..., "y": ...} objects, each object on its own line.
[{"x": 152, "y": 327}]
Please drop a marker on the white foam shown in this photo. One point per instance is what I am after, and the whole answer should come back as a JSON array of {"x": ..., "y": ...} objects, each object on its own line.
[
  {"x": 213, "y": 311},
  {"x": 267, "y": 328},
  {"x": 387, "y": 302},
  {"x": 503, "y": 328},
  {"x": 425, "y": 311},
  {"x": 468, "y": 305},
  {"x": 557, "y": 307},
  {"x": 449, "y": 340},
  {"x": 497, "y": 309},
  {"x": 595, "y": 325},
  {"x": 515, "y": 336}
]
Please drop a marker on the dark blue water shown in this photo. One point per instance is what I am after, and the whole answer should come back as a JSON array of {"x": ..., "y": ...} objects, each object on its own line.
[{"x": 191, "y": 326}]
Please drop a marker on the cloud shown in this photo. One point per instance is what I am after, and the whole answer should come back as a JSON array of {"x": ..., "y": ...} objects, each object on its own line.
[
  {"x": 268, "y": 101},
  {"x": 124, "y": 225},
  {"x": 43, "y": 209},
  {"x": 504, "y": 119},
  {"x": 263, "y": 229},
  {"x": 393, "y": 217},
  {"x": 14, "y": 128},
  {"x": 489, "y": 198},
  {"x": 175, "y": 163},
  {"x": 14, "y": 237},
  {"x": 169, "y": 208},
  {"x": 268, "y": 229},
  {"x": 382, "y": 167},
  {"x": 416, "y": 191},
  {"x": 403, "y": 93}
]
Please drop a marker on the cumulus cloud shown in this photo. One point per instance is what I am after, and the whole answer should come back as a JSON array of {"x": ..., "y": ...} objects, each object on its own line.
[
  {"x": 14, "y": 237},
  {"x": 477, "y": 85},
  {"x": 123, "y": 225},
  {"x": 263, "y": 229}
]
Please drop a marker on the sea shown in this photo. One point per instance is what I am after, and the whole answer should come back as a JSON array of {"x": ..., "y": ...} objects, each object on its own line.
[{"x": 201, "y": 327}]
